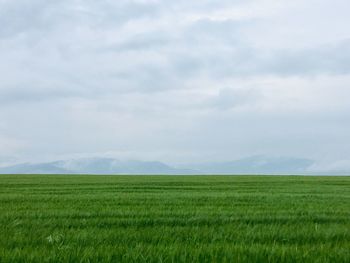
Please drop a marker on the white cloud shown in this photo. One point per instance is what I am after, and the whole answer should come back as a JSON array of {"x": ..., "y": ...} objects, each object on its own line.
[{"x": 177, "y": 80}]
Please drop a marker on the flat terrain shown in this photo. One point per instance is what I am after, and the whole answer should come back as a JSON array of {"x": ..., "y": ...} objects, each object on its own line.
[{"x": 73, "y": 218}]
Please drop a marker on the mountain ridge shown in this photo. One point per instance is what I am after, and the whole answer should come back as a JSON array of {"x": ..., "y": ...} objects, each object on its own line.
[{"x": 249, "y": 165}]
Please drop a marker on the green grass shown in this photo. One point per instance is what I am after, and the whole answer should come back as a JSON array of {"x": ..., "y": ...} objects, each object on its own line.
[{"x": 259, "y": 219}]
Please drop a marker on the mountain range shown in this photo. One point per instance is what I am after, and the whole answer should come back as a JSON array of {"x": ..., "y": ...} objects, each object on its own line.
[{"x": 250, "y": 165}]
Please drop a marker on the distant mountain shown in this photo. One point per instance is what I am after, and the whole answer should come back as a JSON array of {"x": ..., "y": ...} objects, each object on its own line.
[
  {"x": 28, "y": 168},
  {"x": 251, "y": 165},
  {"x": 93, "y": 166},
  {"x": 257, "y": 165}
]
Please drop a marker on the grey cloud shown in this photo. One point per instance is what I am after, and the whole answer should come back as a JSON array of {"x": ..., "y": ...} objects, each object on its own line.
[
  {"x": 14, "y": 95},
  {"x": 203, "y": 47},
  {"x": 149, "y": 41},
  {"x": 241, "y": 60},
  {"x": 327, "y": 59},
  {"x": 231, "y": 98},
  {"x": 154, "y": 60},
  {"x": 38, "y": 15},
  {"x": 144, "y": 76},
  {"x": 217, "y": 48},
  {"x": 21, "y": 16},
  {"x": 6, "y": 160}
]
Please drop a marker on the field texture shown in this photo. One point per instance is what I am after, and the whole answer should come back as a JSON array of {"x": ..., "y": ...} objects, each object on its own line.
[{"x": 174, "y": 218}]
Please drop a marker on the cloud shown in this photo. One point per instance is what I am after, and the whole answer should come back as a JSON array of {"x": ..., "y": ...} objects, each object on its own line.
[
  {"x": 10, "y": 147},
  {"x": 28, "y": 17},
  {"x": 326, "y": 59},
  {"x": 229, "y": 98},
  {"x": 181, "y": 79}
]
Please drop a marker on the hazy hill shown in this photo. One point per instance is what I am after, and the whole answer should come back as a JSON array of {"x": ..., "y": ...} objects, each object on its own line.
[
  {"x": 251, "y": 165},
  {"x": 257, "y": 165},
  {"x": 94, "y": 166}
]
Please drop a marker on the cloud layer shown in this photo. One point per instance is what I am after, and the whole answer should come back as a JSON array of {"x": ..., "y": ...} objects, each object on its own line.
[{"x": 174, "y": 81}]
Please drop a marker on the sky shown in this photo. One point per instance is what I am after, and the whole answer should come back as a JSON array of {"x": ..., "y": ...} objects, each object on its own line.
[{"x": 175, "y": 81}]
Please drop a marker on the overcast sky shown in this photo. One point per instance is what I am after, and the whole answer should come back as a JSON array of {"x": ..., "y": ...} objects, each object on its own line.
[{"x": 175, "y": 81}]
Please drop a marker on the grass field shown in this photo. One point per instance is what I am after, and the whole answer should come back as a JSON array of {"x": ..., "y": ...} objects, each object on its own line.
[{"x": 77, "y": 218}]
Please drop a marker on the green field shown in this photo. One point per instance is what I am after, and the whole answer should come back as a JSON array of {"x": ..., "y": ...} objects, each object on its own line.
[{"x": 74, "y": 218}]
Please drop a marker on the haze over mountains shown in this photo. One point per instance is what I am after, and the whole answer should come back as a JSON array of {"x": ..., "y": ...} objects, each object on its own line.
[
  {"x": 178, "y": 82},
  {"x": 93, "y": 166},
  {"x": 250, "y": 165}
]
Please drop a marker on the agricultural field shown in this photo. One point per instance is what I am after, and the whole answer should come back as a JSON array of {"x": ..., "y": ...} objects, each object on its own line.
[{"x": 77, "y": 218}]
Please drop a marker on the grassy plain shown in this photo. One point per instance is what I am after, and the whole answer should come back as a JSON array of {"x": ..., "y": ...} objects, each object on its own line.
[{"x": 76, "y": 218}]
